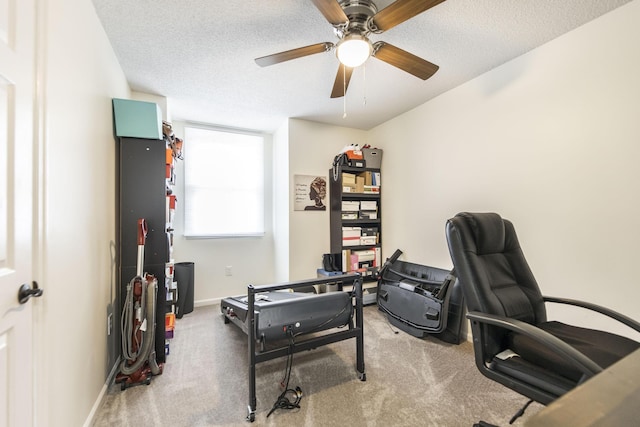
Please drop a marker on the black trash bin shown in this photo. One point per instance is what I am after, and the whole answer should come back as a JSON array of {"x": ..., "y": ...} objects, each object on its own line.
[{"x": 184, "y": 275}]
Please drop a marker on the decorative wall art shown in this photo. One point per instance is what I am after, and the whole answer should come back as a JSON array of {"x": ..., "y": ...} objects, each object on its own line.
[{"x": 310, "y": 193}]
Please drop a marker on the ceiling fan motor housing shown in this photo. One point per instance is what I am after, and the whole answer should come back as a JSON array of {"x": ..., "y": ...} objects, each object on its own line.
[{"x": 359, "y": 13}]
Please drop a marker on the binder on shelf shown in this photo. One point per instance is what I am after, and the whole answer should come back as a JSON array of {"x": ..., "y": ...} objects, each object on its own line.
[{"x": 346, "y": 260}]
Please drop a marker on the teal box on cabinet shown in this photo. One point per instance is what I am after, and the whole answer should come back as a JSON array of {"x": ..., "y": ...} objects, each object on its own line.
[{"x": 137, "y": 119}]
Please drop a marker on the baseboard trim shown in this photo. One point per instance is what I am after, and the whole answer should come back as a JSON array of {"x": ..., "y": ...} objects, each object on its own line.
[
  {"x": 96, "y": 405},
  {"x": 205, "y": 302}
]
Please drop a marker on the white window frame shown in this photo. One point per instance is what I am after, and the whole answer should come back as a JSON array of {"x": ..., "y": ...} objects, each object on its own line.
[{"x": 224, "y": 183}]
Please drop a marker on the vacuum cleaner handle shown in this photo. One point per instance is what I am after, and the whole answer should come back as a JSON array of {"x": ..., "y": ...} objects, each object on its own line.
[
  {"x": 142, "y": 237},
  {"x": 142, "y": 231}
]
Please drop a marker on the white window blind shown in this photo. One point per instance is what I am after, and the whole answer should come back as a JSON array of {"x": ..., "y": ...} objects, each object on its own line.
[{"x": 224, "y": 183}]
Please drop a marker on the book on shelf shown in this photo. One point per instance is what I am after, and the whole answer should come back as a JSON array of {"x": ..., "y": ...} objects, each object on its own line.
[
  {"x": 375, "y": 179},
  {"x": 349, "y": 215},
  {"x": 346, "y": 260}
]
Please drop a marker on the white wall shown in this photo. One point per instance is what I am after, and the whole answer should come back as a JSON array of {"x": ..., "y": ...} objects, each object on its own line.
[
  {"x": 549, "y": 140},
  {"x": 81, "y": 76},
  {"x": 312, "y": 147}
]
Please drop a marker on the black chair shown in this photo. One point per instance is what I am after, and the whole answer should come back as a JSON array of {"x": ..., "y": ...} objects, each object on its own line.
[{"x": 514, "y": 343}]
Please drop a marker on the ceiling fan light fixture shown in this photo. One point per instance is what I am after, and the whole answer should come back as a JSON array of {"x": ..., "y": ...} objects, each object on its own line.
[{"x": 353, "y": 50}]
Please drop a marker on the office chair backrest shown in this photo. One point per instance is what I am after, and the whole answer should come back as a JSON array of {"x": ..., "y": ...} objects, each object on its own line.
[{"x": 491, "y": 267}]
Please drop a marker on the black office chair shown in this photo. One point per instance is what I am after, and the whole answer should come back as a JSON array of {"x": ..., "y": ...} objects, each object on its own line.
[{"x": 514, "y": 343}]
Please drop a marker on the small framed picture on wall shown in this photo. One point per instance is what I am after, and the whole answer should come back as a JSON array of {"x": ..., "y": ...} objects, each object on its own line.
[{"x": 310, "y": 193}]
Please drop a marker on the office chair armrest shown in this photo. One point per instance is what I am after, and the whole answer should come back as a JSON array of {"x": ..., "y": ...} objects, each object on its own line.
[
  {"x": 598, "y": 308},
  {"x": 579, "y": 360}
]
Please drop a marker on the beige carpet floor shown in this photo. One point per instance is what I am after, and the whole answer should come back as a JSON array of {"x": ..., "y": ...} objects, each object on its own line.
[{"x": 410, "y": 382}]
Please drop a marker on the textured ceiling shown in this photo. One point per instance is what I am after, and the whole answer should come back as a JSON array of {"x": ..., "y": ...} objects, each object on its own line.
[{"x": 200, "y": 55}]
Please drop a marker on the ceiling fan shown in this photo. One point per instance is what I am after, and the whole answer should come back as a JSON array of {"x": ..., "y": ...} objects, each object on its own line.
[{"x": 353, "y": 21}]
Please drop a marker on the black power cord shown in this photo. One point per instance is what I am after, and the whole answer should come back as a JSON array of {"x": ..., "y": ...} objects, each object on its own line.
[
  {"x": 520, "y": 412},
  {"x": 283, "y": 401}
]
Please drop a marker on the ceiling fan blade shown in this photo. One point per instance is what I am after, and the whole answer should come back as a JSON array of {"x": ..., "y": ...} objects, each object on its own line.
[
  {"x": 404, "y": 60},
  {"x": 331, "y": 11},
  {"x": 341, "y": 84},
  {"x": 287, "y": 55},
  {"x": 400, "y": 11}
]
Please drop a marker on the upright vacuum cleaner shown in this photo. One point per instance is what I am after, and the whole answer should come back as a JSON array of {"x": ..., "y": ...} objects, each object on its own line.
[{"x": 138, "y": 323}]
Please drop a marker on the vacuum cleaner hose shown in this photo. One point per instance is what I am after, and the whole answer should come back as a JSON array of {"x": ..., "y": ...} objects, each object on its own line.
[
  {"x": 151, "y": 320},
  {"x": 148, "y": 343},
  {"x": 128, "y": 328}
]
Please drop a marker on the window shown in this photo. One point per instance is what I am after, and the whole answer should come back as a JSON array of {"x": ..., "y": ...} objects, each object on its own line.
[{"x": 224, "y": 183}]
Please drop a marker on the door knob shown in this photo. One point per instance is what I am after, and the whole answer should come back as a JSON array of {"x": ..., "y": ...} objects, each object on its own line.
[{"x": 25, "y": 292}]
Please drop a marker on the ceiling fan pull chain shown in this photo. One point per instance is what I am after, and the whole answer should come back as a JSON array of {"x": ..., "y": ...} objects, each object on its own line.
[{"x": 364, "y": 80}]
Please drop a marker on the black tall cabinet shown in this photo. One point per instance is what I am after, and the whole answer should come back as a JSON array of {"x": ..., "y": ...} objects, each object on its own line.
[{"x": 142, "y": 194}]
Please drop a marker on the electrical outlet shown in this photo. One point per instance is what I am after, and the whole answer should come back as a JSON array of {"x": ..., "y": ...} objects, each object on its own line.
[
  {"x": 227, "y": 270},
  {"x": 109, "y": 324}
]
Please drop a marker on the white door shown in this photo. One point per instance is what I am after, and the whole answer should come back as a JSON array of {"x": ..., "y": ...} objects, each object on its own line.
[{"x": 17, "y": 82}]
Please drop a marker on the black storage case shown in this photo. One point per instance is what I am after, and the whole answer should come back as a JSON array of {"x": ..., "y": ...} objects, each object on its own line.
[
  {"x": 422, "y": 300},
  {"x": 184, "y": 275}
]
